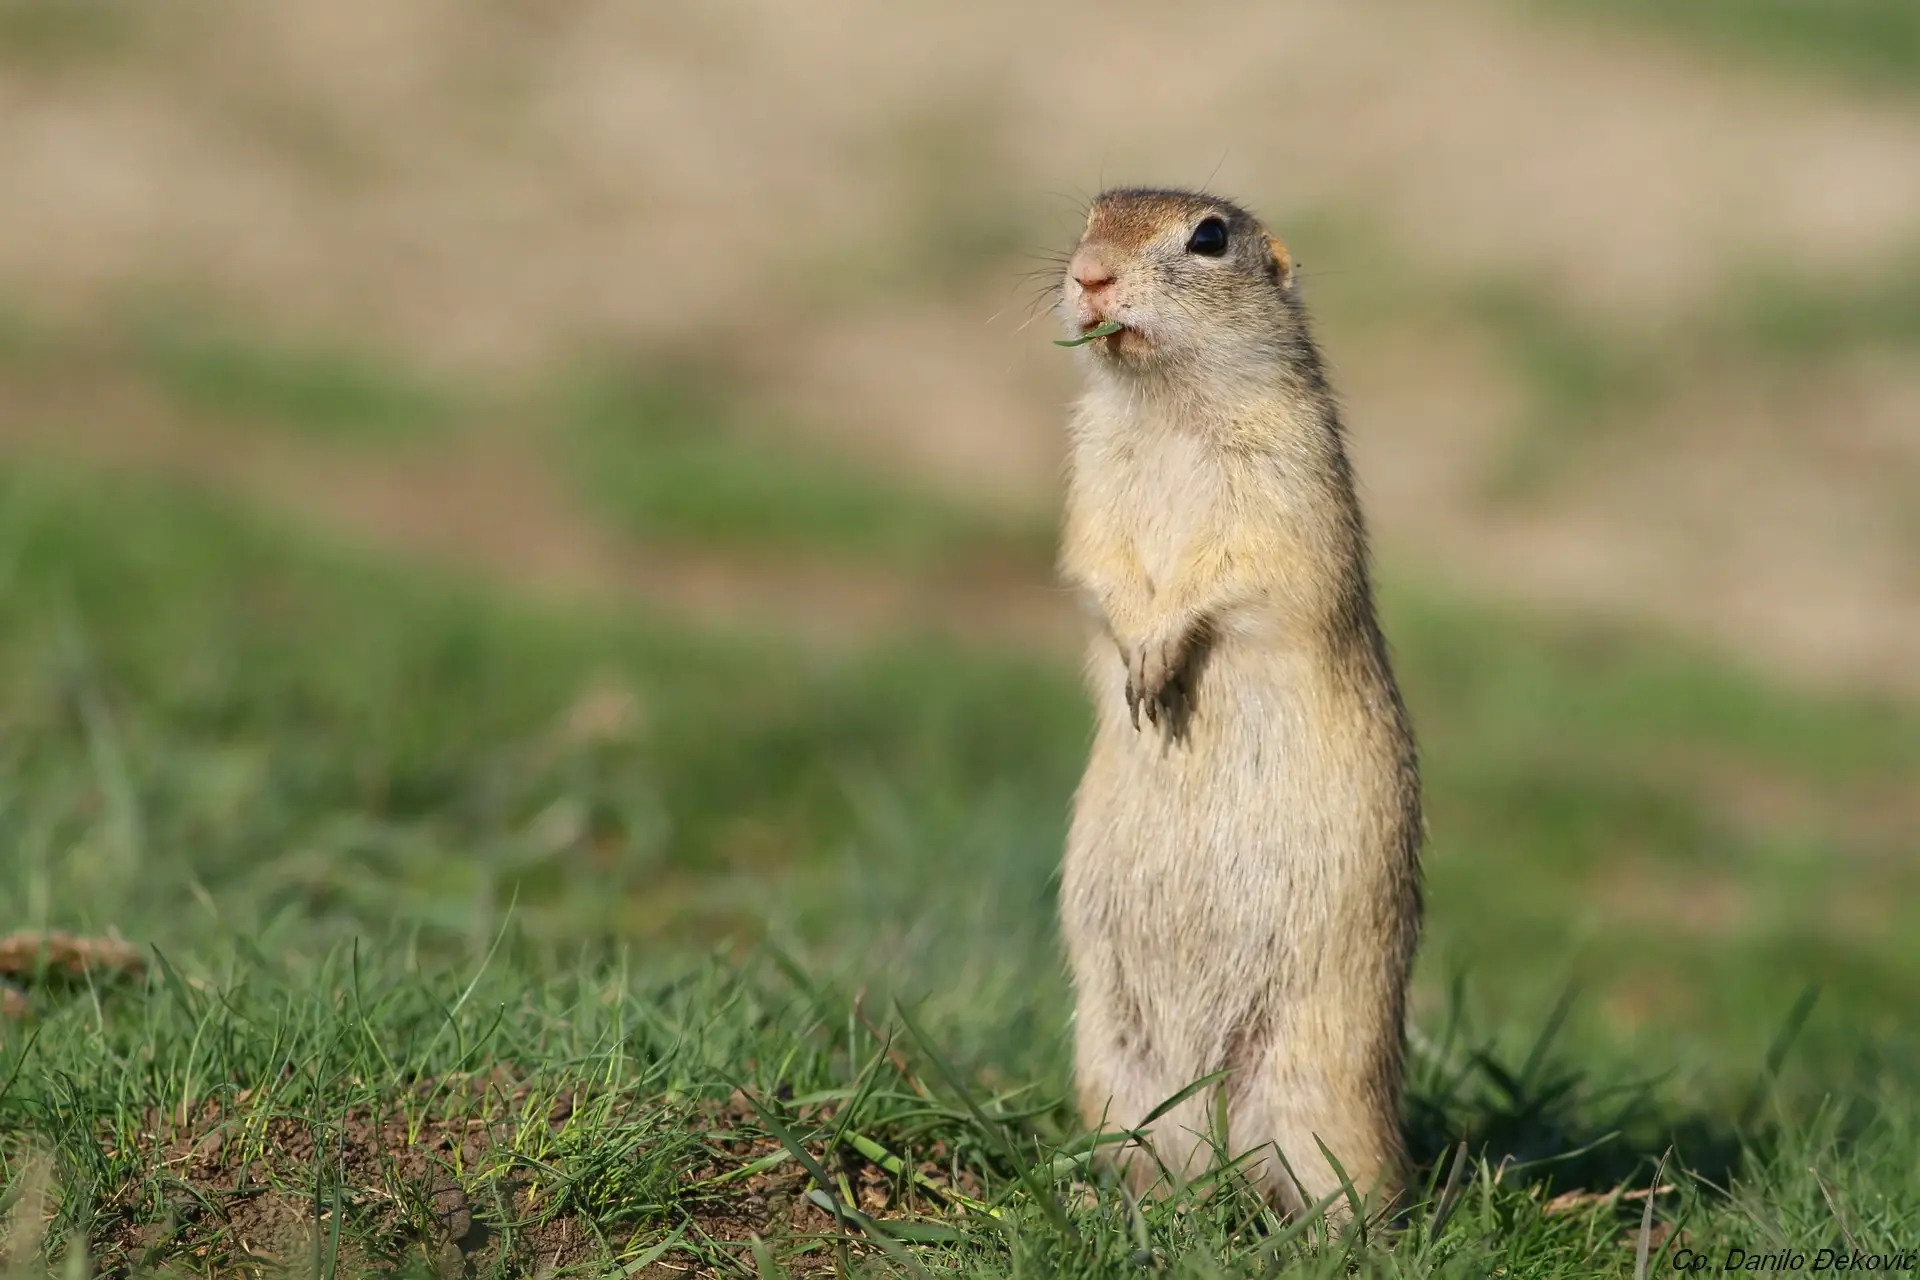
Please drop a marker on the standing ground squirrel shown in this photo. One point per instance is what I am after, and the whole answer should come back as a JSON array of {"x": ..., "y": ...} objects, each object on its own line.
[{"x": 1241, "y": 889}]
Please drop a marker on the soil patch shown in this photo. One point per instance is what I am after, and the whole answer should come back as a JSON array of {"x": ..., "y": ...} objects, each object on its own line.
[{"x": 475, "y": 1174}]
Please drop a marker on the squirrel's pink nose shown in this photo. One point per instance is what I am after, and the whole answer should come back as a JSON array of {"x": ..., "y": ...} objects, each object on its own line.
[{"x": 1091, "y": 273}]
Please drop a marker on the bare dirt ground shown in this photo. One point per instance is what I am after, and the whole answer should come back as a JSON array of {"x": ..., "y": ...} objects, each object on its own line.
[{"x": 843, "y": 188}]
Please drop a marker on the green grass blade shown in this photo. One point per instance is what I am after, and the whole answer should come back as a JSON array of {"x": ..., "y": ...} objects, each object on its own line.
[
  {"x": 1098, "y": 331},
  {"x": 656, "y": 1252},
  {"x": 1044, "y": 1198}
]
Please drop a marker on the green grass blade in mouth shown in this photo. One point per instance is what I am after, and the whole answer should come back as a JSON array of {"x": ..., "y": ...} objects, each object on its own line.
[{"x": 1098, "y": 331}]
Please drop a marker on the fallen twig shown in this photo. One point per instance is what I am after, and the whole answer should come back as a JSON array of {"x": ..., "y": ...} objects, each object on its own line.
[
  {"x": 30, "y": 952},
  {"x": 1570, "y": 1200}
]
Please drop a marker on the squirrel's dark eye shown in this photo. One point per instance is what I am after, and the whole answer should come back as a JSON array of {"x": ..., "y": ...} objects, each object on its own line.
[{"x": 1209, "y": 239}]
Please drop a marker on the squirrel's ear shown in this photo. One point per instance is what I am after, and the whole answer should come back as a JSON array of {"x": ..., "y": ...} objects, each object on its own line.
[{"x": 1282, "y": 261}]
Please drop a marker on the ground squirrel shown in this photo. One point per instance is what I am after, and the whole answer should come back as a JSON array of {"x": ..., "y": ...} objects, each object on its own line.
[{"x": 1241, "y": 888}]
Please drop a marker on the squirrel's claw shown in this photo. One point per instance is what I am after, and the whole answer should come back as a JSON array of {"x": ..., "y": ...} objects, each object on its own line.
[{"x": 1153, "y": 670}]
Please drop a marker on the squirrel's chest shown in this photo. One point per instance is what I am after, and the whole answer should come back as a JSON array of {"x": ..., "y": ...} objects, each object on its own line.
[{"x": 1174, "y": 491}]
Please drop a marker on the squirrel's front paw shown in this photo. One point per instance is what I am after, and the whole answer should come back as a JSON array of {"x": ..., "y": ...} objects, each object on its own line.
[{"x": 1153, "y": 671}]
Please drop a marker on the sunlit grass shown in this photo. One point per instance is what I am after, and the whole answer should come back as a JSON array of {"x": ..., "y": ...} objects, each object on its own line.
[
  {"x": 1870, "y": 42},
  {"x": 388, "y": 829}
]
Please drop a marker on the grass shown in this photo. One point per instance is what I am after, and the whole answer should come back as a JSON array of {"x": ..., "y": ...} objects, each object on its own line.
[
  {"x": 1578, "y": 377},
  {"x": 390, "y": 725},
  {"x": 601, "y": 1112},
  {"x": 1873, "y": 42},
  {"x": 217, "y": 370},
  {"x": 38, "y": 35},
  {"x": 1583, "y": 378},
  {"x": 192, "y": 363},
  {"x": 673, "y": 460},
  {"x": 1770, "y": 327},
  {"x": 1779, "y": 314},
  {"x": 664, "y": 453},
  {"x": 518, "y": 938}
]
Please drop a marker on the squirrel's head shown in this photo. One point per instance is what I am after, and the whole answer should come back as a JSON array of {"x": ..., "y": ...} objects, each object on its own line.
[{"x": 1195, "y": 282}]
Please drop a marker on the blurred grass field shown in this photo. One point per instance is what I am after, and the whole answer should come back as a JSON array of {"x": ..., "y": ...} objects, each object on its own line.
[
  {"x": 1876, "y": 41},
  {"x": 388, "y": 828},
  {"x": 587, "y": 816}
]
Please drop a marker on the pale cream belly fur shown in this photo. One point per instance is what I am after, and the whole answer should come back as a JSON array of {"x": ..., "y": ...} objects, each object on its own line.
[{"x": 1211, "y": 884}]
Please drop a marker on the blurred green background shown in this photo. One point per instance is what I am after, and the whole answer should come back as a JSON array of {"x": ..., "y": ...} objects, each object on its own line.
[{"x": 588, "y": 470}]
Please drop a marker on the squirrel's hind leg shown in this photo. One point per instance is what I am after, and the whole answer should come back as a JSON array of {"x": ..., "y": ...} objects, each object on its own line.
[{"x": 1120, "y": 1081}]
